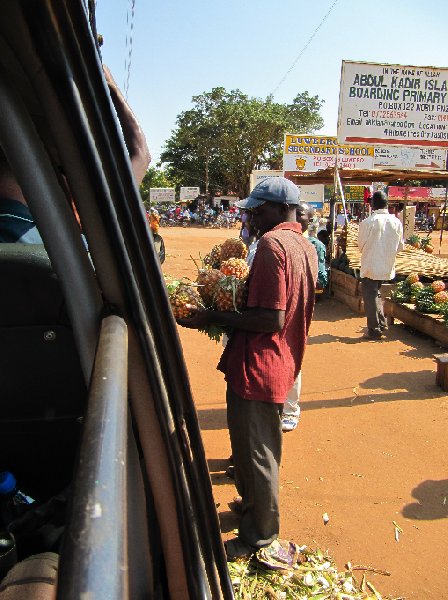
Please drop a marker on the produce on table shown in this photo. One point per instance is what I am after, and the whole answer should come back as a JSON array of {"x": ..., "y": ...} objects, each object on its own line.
[
  {"x": 438, "y": 286},
  {"x": 233, "y": 248},
  {"x": 402, "y": 292},
  {"x": 424, "y": 302},
  {"x": 413, "y": 241},
  {"x": 415, "y": 288},
  {"x": 426, "y": 244},
  {"x": 441, "y": 297},
  {"x": 412, "y": 278}
]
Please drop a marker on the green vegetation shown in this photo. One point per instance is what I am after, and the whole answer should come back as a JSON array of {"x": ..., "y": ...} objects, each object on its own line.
[{"x": 226, "y": 135}]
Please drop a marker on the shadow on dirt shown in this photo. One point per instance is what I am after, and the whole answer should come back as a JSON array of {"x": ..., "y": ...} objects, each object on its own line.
[
  {"x": 432, "y": 501},
  {"x": 228, "y": 521},
  {"x": 212, "y": 418},
  {"x": 331, "y": 310},
  {"x": 327, "y": 338},
  {"x": 217, "y": 465},
  {"x": 404, "y": 386}
]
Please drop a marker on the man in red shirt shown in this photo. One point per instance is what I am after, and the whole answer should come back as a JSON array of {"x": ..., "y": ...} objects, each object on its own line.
[{"x": 264, "y": 355}]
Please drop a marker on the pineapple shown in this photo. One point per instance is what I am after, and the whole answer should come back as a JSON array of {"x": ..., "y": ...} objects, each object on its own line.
[
  {"x": 441, "y": 297},
  {"x": 438, "y": 286},
  {"x": 236, "y": 267},
  {"x": 233, "y": 248},
  {"x": 208, "y": 281},
  {"x": 402, "y": 292},
  {"x": 213, "y": 259},
  {"x": 231, "y": 294},
  {"x": 182, "y": 295},
  {"x": 424, "y": 301},
  {"x": 414, "y": 240},
  {"x": 415, "y": 288},
  {"x": 412, "y": 278}
]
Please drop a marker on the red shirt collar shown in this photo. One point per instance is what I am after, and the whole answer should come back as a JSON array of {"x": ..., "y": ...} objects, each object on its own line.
[{"x": 297, "y": 227}]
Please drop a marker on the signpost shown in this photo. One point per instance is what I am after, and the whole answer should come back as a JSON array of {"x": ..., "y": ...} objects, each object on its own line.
[
  {"x": 188, "y": 193},
  {"x": 393, "y": 104},
  {"x": 311, "y": 153},
  {"x": 312, "y": 195},
  {"x": 161, "y": 195},
  {"x": 410, "y": 157},
  {"x": 257, "y": 176}
]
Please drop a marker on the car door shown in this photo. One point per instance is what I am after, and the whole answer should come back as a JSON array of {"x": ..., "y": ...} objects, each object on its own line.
[{"x": 141, "y": 521}]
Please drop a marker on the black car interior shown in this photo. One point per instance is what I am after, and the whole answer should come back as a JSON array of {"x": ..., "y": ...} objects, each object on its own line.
[{"x": 97, "y": 420}]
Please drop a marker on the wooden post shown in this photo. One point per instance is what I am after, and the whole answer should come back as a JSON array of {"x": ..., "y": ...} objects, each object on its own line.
[
  {"x": 442, "y": 371},
  {"x": 443, "y": 216}
]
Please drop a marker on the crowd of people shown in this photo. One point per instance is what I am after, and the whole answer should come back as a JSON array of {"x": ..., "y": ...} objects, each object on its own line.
[{"x": 184, "y": 216}]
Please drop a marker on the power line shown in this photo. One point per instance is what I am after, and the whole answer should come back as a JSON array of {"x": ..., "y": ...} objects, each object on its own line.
[
  {"x": 305, "y": 47},
  {"x": 129, "y": 34}
]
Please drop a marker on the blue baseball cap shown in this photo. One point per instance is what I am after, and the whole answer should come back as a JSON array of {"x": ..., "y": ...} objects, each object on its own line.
[{"x": 272, "y": 189}]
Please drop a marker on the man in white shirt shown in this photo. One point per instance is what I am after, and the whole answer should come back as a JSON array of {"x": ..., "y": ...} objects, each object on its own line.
[{"x": 380, "y": 238}]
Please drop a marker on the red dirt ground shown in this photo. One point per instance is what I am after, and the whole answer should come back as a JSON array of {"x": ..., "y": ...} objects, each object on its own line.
[{"x": 371, "y": 447}]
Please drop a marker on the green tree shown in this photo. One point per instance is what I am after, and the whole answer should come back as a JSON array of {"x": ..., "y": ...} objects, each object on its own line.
[
  {"x": 228, "y": 134},
  {"x": 154, "y": 178}
]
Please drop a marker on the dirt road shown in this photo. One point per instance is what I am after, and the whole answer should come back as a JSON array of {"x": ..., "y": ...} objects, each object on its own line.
[{"x": 371, "y": 447}]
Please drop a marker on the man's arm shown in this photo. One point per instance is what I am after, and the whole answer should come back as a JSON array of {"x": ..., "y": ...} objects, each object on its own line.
[
  {"x": 401, "y": 240},
  {"x": 132, "y": 132},
  {"x": 261, "y": 320}
]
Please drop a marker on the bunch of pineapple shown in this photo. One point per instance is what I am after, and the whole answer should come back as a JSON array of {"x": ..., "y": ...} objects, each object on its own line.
[
  {"x": 221, "y": 282},
  {"x": 223, "y": 288}
]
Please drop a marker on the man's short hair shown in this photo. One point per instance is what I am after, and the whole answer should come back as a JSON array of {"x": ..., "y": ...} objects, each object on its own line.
[
  {"x": 379, "y": 200},
  {"x": 305, "y": 209}
]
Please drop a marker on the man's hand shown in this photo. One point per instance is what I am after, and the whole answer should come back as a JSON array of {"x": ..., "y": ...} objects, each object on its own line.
[{"x": 198, "y": 320}]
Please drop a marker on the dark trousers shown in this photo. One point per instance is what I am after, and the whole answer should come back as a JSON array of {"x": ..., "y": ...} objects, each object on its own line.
[
  {"x": 256, "y": 438},
  {"x": 373, "y": 305}
]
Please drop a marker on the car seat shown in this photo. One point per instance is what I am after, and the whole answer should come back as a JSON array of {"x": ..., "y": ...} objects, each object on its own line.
[{"x": 42, "y": 390}]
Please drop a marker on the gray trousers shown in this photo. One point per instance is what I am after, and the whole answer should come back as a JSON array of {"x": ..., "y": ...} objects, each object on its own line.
[
  {"x": 256, "y": 437},
  {"x": 373, "y": 304}
]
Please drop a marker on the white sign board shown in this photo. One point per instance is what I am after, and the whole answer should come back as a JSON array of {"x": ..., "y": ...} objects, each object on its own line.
[
  {"x": 409, "y": 225},
  {"x": 162, "y": 195},
  {"x": 311, "y": 153},
  {"x": 312, "y": 194},
  {"x": 393, "y": 104},
  {"x": 410, "y": 157},
  {"x": 257, "y": 176},
  {"x": 188, "y": 193},
  {"x": 438, "y": 193}
]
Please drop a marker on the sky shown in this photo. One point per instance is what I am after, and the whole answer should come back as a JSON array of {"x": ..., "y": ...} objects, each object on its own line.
[{"x": 182, "y": 48}]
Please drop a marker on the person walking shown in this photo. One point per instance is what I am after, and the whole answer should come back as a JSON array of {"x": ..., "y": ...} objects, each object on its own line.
[
  {"x": 380, "y": 238},
  {"x": 264, "y": 356}
]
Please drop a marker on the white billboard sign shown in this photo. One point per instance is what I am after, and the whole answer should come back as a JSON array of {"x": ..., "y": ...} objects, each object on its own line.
[
  {"x": 311, "y": 153},
  {"x": 162, "y": 195},
  {"x": 410, "y": 157},
  {"x": 312, "y": 194},
  {"x": 188, "y": 193},
  {"x": 257, "y": 176},
  {"x": 393, "y": 104}
]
